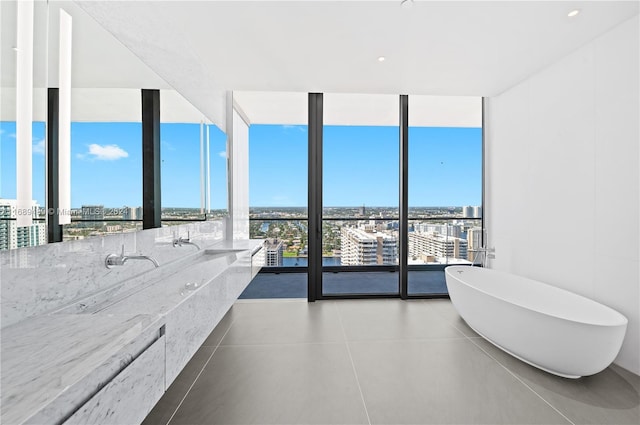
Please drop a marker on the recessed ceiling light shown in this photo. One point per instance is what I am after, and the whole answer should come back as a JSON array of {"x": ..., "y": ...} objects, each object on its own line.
[
  {"x": 406, "y": 3},
  {"x": 573, "y": 13},
  {"x": 15, "y": 49},
  {"x": 381, "y": 58}
]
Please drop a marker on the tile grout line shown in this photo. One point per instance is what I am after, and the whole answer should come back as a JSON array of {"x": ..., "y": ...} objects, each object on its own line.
[
  {"x": 443, "y": 317},
  {"x": 200, "y": 373},
  {"x": 353, "y": 366},
  {"x": 303, "y": 343},
  {"x": 523, "y": 383},
  {"x": 283, "y": 344},
  {"x": 471, "y": 339}
]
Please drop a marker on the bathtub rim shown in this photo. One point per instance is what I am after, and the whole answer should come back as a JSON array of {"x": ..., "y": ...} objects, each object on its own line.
[{"x": 623, "y": 321}]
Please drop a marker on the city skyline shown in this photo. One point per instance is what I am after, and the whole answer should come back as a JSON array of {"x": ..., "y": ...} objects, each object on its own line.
[{"x": 444, "y": 169}]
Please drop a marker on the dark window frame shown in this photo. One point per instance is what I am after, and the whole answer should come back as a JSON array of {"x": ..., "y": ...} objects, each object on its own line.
[{"x": 315, "y": 268}]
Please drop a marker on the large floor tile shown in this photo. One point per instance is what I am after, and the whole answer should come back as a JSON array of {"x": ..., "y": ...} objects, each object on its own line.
[
  {"x": 283, "y": 323},
  {"x": 367, "y": 320},
  {"x": 172, "y": 398},
  {"x": 443, "y": 382},
  {"x": 445, "y": 309},
  {"x": 286, "y": 362},
  {"x": 286, "y": 384},
  {"x": 609, "y": 397}
]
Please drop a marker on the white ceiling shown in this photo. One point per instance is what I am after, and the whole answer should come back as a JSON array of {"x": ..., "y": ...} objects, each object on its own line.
[
  {"x": 106, "y": 76},
  {"x": 290, "y": 108},
  {"x": 473, "y": 48},
  {"x": 203, "y": 49}
]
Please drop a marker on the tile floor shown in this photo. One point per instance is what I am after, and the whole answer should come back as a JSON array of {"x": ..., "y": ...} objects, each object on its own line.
[{"x": 376, "y": 362}]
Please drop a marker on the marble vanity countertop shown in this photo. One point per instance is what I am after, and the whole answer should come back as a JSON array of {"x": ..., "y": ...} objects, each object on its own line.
[
  {"x": 49, "y": 358},
  {"x": 239, "y": 245},
  {"x": 52, "y": 363}
]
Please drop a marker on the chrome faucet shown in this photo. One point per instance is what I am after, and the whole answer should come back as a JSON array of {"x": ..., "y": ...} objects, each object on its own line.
[
  {"x": 182, "y": 241},
  {"x": 119, "y": 260},
  {"x": 485, "y": 254}
]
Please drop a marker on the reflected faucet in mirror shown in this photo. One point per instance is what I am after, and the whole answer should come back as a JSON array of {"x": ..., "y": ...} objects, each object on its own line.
[
  {"x": 179, "y": 241},
  {"x": 119, "y": 260}
]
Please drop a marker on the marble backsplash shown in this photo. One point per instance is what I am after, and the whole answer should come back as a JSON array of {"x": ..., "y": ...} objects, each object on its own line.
[{"x": 47, "y": 278}]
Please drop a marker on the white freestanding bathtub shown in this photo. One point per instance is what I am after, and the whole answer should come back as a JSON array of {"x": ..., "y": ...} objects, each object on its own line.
[{"x": 550, "y": 328}]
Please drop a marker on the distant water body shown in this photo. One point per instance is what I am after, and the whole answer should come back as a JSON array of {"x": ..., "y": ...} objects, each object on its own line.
[{"x": 304, "y": 261}]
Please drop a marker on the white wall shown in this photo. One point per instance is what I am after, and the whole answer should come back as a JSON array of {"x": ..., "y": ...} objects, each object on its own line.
[{"x": 562, "y": 181}]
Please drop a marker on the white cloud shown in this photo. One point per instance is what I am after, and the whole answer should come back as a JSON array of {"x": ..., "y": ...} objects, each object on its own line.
[
  {"x": 38, "y": 146},
  {"x": 1, "y": 130},
  {"x": 222, "y": 154},
  {"x": 104, "y": 153},
  {"x": 166, "y": 146},
  {"x": 293, "y": 127}
]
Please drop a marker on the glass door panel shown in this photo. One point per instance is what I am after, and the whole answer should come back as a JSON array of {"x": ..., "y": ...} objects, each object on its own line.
[
  {"x": 445, "y": 188},
  {"x": 360, "y": 194}
]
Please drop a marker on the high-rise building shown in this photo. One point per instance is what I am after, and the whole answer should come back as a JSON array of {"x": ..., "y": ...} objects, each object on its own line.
[
  {"x": 477, "y": 212},
  {"x": 5, "y": 213},
  {"x": 454, "y": 230},
  {"x": 128, "y": 213},
  {"x": 474, "y": 240},
  {"x": 437, "y": 245},
  {"x": 93, "y": 212},
  {"x": 274, "y": 250},
  {"x": 13, "y": 236},
  {"x": 131, "y": 213},
  {"x": 361, "y": 247},
  {"x": 472, "y": 212}
]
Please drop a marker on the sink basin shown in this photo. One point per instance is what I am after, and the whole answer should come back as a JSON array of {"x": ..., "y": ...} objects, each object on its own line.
[
  {"x": 192, "y": 273},
  {"x": 222, "y": 251}
]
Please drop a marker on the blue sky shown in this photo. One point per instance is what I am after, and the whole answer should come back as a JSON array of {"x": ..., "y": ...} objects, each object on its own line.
[
  {"x": 106, "y": 164},
  {"x": 8, "y": 160},
  {"x": 360, "y": 165}
]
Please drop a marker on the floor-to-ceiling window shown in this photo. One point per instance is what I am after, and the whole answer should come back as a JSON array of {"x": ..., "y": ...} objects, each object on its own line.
[
  {"x": 444, "y": 188},
  {"x": 353, "y": 152},
  {"x": 278, "y": 200},
  {"x": 11, "y": 235},
  {"x": 106, "y": 183},
  {"x": 360, "y": 194},
  {"x": 278, "y": 192},
  {"x": 194, "y": 174}
]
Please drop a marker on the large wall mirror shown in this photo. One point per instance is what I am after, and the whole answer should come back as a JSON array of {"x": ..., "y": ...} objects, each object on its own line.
[{"x": 103, "y": 130}]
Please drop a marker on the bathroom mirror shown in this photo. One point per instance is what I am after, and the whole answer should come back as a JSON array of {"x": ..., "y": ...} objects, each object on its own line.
[{"x": 105, "y": 134}]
